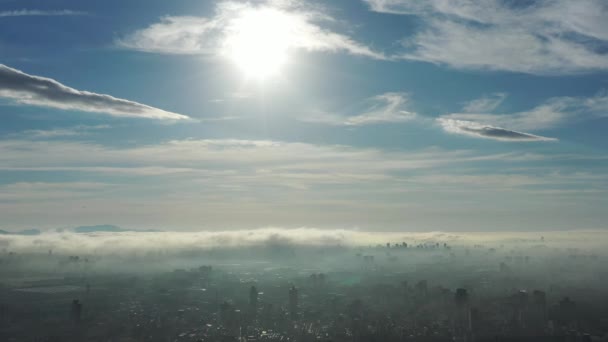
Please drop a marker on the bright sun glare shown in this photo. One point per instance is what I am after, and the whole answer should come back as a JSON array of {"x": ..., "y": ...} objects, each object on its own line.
[{"x": 258, "y": 42}]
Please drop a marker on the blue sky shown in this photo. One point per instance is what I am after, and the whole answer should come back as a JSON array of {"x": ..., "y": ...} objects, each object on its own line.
[{"x": 369, "y": 114}]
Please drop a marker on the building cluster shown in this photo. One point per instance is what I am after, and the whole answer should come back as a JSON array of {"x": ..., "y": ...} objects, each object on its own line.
[{"x": 384, "y": 293}]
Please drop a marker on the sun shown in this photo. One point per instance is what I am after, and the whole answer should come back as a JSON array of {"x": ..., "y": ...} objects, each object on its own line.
[{"x": 258, "y": 42}]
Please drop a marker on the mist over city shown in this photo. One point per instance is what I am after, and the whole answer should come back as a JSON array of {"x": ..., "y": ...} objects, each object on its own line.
[
  {"x": 305, "y": 284},
  {"x": 303, "y": 170}
]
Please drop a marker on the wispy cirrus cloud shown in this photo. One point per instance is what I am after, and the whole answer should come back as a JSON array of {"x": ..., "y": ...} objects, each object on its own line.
[
  {"x": 548, "y": 115},
  {"x": 385, "y": 108},
  {"x": 45, "y": 13},
  {"x": 485, "y": 104},
  {"x": 552, "y": 113},
  {"x": 33, "y": 90},
  {"x": 537, "y": 37},
  {"x": 238, "y": 183},
  {"x": 478, "y": 120},
  {"x": 301, "y": 28},
  {"x": 74, "y": 131},
  {"x": 226, "y": 155},
  {"x": 478, "y": 117},
  {"x": 223, "y": 165}
]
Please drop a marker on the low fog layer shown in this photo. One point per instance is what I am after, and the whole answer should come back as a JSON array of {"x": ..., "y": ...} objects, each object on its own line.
[{"x": 134, "y": 242}]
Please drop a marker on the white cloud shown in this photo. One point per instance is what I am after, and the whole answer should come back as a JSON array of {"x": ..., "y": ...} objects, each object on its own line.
[
  {"x": 545, "y": 116},
  {"x": 226, "y": 166},
  {"x": 542, "y": 37},
  {"x": 510, "y": 49},
  {"x": 173, "y": 35},
  {"x": 389, "y": 107},
  {"x": 385, "y": 108},
  {"x": 74, "y": 131},
  {"x": 478, "y": 130},
  {"x": 229, "y": 182},
  {"x": 485, "y": 104},
  {"x": 127, "y": 243},
  {"x": 215, "y": 184},
  {"x": 28, "y": 13},
  {"x": 476, "y": 118},
  {"x": 548, "y": 115},
  {"x": 40, "y": 91},
  {"x": 301, "y": 28},
  {"x": 226, "y": 171},
  {"x": 257, "y": 156},
  {"x": 597, "y": 104},
  {"x": 33, "y": 191},
  {"x": 482, "y": 11}
]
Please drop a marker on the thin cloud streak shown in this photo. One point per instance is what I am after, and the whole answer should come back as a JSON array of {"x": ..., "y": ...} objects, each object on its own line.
[
  {"x": 485, "y": 104},
  {"x": 386, "y": 108},
  {"x": 30, "y": 13},
  {"x": 32, "y": 90},
  {"x": 75, "y": 131},
  {"x": 215, "y": 184}
]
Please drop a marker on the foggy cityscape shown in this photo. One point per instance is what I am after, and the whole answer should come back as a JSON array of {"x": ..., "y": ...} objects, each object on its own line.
[
  {"x": 281, "y": 287},
  {"x": 303, "y": 170}
]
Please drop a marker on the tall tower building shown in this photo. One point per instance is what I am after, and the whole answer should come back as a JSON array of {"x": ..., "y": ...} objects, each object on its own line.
[
  {"x": 293, "y": 302},
  {"x": 76, "y": 311},
  {"x": 538, "y": 311},
  {"x": 253, "y": 300},
  {"x": 462, "y": 319}
]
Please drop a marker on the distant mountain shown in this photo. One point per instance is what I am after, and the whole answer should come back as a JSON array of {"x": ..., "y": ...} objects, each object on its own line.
[
  {"x": 102, "y": 228},
  {"x": 29, "y": 232},
  {"x": 23, "y": 232},
  {"x": 106, "y": 228},
  {"x": 99, "y": 228}
]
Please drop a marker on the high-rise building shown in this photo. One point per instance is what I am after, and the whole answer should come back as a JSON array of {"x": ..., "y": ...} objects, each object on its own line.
[
  {"x": 422, "y": 288},
  {"x": 76, "y": 311},
  {"x": 293, "y": 302},
  {"x": 520, "y": 301},
  {"x": 225, "y": 309},
  {"x": 538, "y": 311},
  {"x": 566, "y": 313},
  {"x": 462, "y": 318},
  {"x": 461, "y": 297},
  {"x": 229, "y": 318},
  {"x": 253, "y": 300}
]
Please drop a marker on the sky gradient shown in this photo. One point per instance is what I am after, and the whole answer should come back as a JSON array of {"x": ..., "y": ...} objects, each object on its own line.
[{"x": 379, "y": 115}]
